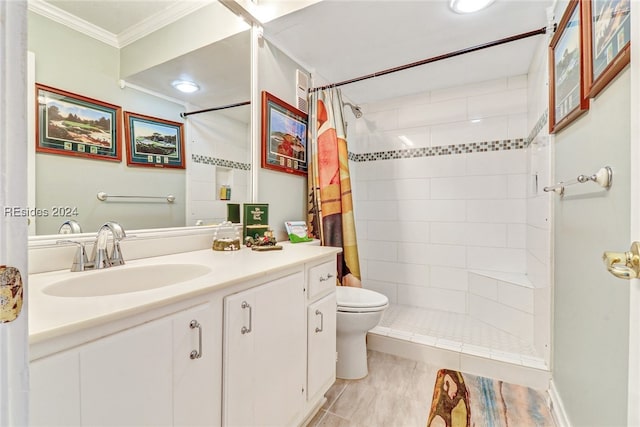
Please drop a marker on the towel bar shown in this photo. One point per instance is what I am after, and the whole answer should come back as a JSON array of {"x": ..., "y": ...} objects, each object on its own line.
[{"x": 603, "y": 177}]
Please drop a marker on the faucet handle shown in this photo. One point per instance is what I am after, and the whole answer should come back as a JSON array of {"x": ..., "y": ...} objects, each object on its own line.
[{"x": 80, "y": 261}]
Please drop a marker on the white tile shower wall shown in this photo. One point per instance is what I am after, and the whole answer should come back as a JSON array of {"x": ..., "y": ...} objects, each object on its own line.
[
  {"x": 219, "y": 147},
  {"x": 505, "y": 305},
  {"x": 538, "y": 227},
  {"x": 424, "y": 222}
]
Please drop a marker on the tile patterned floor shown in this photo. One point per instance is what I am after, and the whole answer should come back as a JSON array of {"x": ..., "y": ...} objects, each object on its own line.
[
  {"x": 457, "y": 332},
  {"x": 396, "y": 393}
]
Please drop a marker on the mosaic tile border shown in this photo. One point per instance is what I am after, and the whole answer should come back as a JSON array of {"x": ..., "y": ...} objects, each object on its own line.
[
  {"x": 444, "y": 150},
  {"x": 540, "y": 124},
  {"x": 207, "y": 160}
]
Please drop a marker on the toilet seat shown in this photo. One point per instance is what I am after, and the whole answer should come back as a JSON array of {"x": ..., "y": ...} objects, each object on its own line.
[{"x": 359, "y": 300}]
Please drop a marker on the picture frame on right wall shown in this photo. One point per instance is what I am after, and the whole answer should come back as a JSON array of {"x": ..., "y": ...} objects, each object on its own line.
[
  {"x": 567, "y": 100},
  {"x": 607, "y": 41},
  {"x": 284, "y": 136}
]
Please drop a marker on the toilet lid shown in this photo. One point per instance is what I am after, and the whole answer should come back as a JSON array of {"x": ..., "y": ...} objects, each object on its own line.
[{"x": 359, "y": 299}]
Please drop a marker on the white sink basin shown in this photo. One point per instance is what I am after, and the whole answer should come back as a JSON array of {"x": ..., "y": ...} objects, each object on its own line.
[{"x": 121, "y": 280}]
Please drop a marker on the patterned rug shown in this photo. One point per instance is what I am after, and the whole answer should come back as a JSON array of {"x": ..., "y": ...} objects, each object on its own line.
[{"x": 464, "y": 400}]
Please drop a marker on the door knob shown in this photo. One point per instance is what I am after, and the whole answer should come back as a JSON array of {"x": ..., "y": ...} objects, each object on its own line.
[{"x": 624, "y": 265}]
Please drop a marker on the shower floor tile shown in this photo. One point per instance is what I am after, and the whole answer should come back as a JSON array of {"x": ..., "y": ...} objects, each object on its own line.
[{"x": 457, "y": 332}]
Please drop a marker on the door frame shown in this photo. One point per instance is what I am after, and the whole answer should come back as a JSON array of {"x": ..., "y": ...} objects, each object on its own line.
[{"x": 633, "y": 409}]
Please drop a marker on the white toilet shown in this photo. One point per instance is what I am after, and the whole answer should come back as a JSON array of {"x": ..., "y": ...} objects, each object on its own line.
[{"x": 359, "y": 310}]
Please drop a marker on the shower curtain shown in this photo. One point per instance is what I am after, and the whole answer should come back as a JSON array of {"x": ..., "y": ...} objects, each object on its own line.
[{"x": 330, "y": 205}]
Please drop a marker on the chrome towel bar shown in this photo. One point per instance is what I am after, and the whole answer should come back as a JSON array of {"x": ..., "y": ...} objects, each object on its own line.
[
  {"x": 603, "y": 177},
  {"x": 102, "y": 196}
]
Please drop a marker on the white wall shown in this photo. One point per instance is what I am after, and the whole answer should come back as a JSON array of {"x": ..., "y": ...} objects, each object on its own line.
[
  {"x": 452, "y": 203},
  {"x": 285, "y": 193},
  {"x": 590, "y": 306}
]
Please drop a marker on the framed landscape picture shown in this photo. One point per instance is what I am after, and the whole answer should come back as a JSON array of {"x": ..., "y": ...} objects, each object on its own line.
[
  {"x": 284, "y": 136},
  {"x": 607, "y": 41},
  {"x": 75, "y": 125},
  {"x": 153, "y": 142},
  {"x": 567, "y": 100}
]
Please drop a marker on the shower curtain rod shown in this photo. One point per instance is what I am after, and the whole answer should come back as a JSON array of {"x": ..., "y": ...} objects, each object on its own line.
[
  {"x": 224, "y": 107},
  {"x": 521, "y": 36}
]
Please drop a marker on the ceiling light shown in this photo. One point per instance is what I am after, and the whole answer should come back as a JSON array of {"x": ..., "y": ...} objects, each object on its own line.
[
  {"x": 468, "y": 6},
  {"x": 185, "y": 86}
]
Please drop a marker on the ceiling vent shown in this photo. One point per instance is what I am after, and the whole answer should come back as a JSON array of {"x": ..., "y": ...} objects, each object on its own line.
[{"x": 302, "y": 91}]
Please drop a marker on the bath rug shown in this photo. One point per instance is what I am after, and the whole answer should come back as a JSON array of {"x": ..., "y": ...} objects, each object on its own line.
[{"x": 464, "y": 400}]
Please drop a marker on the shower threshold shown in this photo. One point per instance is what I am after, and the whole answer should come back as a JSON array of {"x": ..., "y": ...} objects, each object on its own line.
[{"x": 457, "y": 341}]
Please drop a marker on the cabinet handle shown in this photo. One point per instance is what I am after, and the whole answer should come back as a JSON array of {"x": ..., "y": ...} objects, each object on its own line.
[
  {"x": 324, "y": 279},
  {"x": 244, "y": 329},
  {"x": 321, "y": 321},
  {"x": 196, "y": 354}
]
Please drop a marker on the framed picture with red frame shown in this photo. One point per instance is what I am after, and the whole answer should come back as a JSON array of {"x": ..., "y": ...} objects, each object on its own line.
[
  {"x": 284, "y": 136},
  {"x": 607, "y": 41},
  {"x": 75, "y": 125},
  {"x": 567, "y": 100},
  {"x": 153, "y": 142}
]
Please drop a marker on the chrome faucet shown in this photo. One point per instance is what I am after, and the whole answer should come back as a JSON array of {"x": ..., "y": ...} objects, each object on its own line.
[
  {"x": 80, "y": 261},
  {"x": 70, "y": 226},
  {"x": 100, "y": 257}
]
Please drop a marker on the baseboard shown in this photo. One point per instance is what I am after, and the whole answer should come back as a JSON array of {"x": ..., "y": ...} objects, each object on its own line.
[{"x": 557, "y": 408}]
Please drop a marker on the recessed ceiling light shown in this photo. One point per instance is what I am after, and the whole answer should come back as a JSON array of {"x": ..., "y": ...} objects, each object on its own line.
[
  {"x": 469, "y": 6},
  {"x": 185, "y": 86}
]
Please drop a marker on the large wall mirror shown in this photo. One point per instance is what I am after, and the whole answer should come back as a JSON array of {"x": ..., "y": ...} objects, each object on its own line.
[{"x": 111, "y": 52}]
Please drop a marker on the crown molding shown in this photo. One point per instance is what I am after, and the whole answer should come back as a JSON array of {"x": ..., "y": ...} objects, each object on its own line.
[
  {"x": 160, "y": 19},
  {"x": 60, "y": 16},
  {"x": 149, "y": 25}
]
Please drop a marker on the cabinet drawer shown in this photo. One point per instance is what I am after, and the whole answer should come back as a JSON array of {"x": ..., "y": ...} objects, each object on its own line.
[{"x": 321, "y": 279}]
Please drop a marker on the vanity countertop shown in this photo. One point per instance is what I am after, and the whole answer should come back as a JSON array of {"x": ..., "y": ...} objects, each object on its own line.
[{"x": 53, "y": 316}]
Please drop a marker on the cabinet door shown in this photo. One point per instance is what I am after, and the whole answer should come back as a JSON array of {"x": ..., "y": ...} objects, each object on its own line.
[
  {"x": 321, "y": 342},
  {"x": 264, "y": 367},
  {"x": 145, "y": 376},
  {"x": 126, "y": 378},
  {"x": 238, "y": 357},
  {"x": 197, "y": 365},
  {"x": 54, "y": 395}
]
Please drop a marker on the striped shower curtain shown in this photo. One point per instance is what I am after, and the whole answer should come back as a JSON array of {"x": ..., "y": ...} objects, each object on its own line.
[{"x": 330, "y": 204}]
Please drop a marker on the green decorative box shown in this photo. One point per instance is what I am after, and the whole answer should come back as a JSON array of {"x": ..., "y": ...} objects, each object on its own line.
[{"x": 256, "y": 219}]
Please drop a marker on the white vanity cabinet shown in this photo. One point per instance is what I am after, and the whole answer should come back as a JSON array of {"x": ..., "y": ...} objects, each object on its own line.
[
  {"x": 321, "y": 329},
  {"x": 321, "y": 346},
  {"x": 279, "y": 356},
  {"x": 54, "y": 391},
  {"x": 256, "y": 347},
  {"x": 264, "y": 354},
  {"x": 144, "y": 376}
]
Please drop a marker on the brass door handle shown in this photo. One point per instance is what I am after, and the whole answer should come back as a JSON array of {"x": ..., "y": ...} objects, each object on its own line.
[{"x": 624, "y": 265}]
